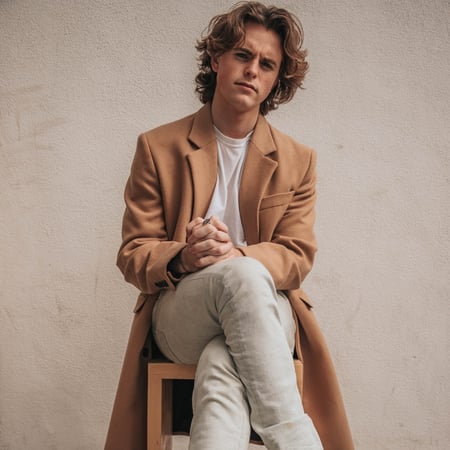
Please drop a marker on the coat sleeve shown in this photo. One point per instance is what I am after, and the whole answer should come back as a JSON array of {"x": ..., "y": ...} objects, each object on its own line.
[
  {"x": 288, "y": 250},
  {"x": 145, "y": 251}
]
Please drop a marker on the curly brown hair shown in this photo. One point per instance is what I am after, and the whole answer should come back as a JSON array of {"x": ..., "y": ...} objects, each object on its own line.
[{"x": 225, "y": 31}]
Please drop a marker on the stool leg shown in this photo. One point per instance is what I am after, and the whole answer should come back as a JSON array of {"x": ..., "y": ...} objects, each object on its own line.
[
  {"x": 159, "y": 413},
  {"x": 154, "y": 403},
  {"x": 167, "y": 395}
]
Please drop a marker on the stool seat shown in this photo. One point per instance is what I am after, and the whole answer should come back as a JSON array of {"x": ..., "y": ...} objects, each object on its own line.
[{"x": 159, "y": 398}]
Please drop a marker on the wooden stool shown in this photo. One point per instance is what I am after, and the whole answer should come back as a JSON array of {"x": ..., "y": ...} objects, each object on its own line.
[{"x": 159, "y": 399}]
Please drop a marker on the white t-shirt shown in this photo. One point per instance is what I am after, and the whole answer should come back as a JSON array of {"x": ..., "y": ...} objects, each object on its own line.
[{"x": 225, "y": 200}]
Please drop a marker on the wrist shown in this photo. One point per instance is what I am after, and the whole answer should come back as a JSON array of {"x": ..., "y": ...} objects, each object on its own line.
[{"x": 176, "y": 266}]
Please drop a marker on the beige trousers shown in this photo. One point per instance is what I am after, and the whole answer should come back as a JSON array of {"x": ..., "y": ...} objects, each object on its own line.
[{"x": 230, "y": 321}]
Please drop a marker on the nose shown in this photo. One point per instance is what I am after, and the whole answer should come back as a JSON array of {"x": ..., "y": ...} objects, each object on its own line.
[{"x": 251, "y": 69}]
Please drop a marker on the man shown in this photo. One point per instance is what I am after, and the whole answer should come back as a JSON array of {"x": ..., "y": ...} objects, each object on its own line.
[{"x": 218, "y": 237}]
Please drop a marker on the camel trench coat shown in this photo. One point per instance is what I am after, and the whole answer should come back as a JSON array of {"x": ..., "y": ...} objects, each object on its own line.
[{"x": 172, "y": 180}]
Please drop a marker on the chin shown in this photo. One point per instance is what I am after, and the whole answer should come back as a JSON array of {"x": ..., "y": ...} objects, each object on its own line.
[{"x": 246, "y": 106}]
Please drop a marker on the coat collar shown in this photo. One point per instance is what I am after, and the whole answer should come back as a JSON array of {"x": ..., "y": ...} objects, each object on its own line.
[
  {"x": 257, "y": 171},
  {"x": 202, "y": 131}
]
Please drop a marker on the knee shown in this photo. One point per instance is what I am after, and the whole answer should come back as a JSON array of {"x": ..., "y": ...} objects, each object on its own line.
[{"x": 248, "y": 271}]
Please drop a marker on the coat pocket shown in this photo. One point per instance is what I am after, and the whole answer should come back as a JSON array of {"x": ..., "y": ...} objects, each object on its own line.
[
  {"x": 271, "y": 211},
  {"x": 276, "y": 200}
]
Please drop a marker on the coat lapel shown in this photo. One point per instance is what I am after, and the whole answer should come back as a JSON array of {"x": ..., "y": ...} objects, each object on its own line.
[
  {"x": 203, "y": 161},
  {"x": 257, "y": 172}
]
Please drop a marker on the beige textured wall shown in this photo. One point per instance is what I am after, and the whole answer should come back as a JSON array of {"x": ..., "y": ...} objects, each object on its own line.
[{"x": 78, "y": 82}]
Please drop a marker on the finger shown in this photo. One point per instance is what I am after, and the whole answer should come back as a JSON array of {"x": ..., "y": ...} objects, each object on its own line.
[
  {"x": 201, "y": 248},
  {"x": 191, "y": 225},
  {"x": 219, "y": 224},
  {"x": 208, "y": 260},
  {"x": 201, "y": 232},
  {"x": 209, "y": 230},
  {"x": 214, "y": 235},
  {"x": 219, "y": 236},
  {"x": 210, "y": 247}
]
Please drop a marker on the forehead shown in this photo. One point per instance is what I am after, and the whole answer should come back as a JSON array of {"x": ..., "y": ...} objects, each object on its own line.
[{"x": 261, "y": 40}]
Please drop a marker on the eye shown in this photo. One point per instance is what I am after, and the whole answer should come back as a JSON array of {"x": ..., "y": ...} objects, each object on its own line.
[
  {"x": 241, "y": 55},
  {"x": 266, "y": 65}
]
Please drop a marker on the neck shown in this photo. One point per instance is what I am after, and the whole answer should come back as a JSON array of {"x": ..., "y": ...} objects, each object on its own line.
[{"x": 233, "y": 124}]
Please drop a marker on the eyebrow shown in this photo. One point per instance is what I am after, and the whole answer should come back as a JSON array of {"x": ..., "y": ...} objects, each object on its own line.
[{"x": 250, "y": 53}]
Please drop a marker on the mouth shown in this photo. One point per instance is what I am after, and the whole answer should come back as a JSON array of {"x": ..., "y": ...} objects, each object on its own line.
[{"x": 247, "y": 85}]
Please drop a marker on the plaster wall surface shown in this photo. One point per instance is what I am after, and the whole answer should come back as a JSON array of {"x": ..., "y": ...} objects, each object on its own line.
[{"x": 80, "y": 80}]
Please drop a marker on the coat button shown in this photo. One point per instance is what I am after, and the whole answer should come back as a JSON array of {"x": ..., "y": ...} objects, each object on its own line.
[{"x": 161, "y": 284}]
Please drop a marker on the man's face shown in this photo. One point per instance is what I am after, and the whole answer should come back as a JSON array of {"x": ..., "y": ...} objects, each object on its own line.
[{"x": 247, "y": 73}]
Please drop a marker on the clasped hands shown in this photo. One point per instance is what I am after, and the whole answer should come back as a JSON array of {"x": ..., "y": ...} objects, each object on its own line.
[{"x": 208, "y": 242}]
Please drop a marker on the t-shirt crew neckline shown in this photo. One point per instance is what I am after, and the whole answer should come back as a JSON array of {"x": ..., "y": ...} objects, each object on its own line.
[{"x": 232, "y": 142}]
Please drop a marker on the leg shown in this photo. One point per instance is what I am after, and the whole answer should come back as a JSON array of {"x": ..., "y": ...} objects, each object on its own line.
[
  {"x": 221, "y": 411},
  {"x": 237, "y": 298}
]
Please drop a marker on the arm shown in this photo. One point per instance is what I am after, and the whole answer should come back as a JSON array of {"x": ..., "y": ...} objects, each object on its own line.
[{"x": 146, "y": 249}]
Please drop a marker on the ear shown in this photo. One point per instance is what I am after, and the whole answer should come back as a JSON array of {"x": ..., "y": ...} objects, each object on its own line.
[{"x": 214, "y": 62}]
